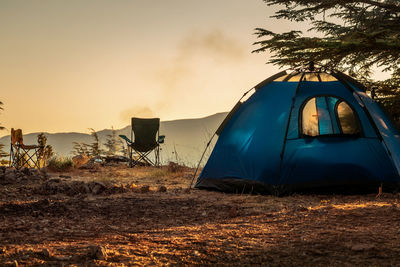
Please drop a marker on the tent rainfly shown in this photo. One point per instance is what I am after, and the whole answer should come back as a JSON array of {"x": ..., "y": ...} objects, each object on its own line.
[{"x": 307, "y": 130}]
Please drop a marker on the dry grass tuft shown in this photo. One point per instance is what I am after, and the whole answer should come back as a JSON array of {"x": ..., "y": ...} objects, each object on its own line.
[
  {"x": 175, "y": 167},
  {"x": 60, "y": 164}
]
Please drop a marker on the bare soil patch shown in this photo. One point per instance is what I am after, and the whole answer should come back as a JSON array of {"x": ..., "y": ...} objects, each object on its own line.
[{"x": 145, "y": 216}]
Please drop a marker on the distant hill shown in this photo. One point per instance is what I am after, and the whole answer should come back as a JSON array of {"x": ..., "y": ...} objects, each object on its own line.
[{"x": 188, "y": 137}]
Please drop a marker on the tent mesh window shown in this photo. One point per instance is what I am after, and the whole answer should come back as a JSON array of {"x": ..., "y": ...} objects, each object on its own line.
[
  {"x": 326, "y": 115},
  {"x": 347, "y": 119},
  {"x": 310, "y": 118}
]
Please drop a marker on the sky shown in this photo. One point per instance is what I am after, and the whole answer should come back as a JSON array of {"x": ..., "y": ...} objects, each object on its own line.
[{"x": 76, "y": 64}]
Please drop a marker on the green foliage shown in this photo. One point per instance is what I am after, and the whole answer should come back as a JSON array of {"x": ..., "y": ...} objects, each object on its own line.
[
  {"x": 2, "y": 153},
  {"x": 367, "y": 36},
  {"x": 60, "y": 164},
  {"x": 45, "y": 151},
  {"x": 112, "y": 143},
  {"x": 123, "y": 148},
  {"x": 95, "y": 147},
  {"x": 42, "y": 139},
  {"x": 80, "y": 149}
]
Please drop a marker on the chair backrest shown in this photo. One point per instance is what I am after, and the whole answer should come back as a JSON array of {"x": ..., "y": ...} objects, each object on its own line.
[
  {"x": 145, "y": 131},
  {"x": 16, "y": 137}
]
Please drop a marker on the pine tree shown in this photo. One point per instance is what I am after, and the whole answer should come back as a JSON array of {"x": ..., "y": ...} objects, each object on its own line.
[{"x": 357, "y": 36}]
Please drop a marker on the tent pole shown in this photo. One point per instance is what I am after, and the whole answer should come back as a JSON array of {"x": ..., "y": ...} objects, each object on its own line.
[
  {"x": 219, "y": 130},
  {"x": 202, "y": 156},
  {"x": 287, "y": 126}
]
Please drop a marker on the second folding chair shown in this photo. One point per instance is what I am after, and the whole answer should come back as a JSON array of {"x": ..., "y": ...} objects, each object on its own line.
[
  {"x": 146, "y": 139},
  {"x": 22, "y": 155}
]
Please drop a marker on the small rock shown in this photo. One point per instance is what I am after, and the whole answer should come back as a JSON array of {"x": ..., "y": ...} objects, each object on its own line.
[
  {"x": 233, "y": 212},
  {"x": 162, "y": 189},
  {"x": 97, "y": 252},
  {"x": 80, "y": 160},
  {"x": 98, "y": 188},
  {"x": 45, "y": 253},
  {"x": 76, "y": 258},
  {"x": 86, "y": 188},
  {"x": 26, "y": 171},
  {"x": 131, "y": 186},
  {"x": 63, "y": 258},
  {"x": 301, "y": 208},
  {"x": 145, "y": 189},
  {"x": 35, "y": 171},
  {"x": 196, "y": 253},
  {"x": 43, "y": 202},
  {"x": 362, "y": 247}
]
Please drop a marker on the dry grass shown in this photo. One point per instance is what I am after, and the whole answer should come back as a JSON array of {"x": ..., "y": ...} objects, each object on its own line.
[
  {"x": 151, "y": 176},
  {"x": 60, "y": 164}
]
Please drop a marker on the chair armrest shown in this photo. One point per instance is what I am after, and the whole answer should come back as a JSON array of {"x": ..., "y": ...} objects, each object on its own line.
[
  {"x": 125, "y": 138},
  {"x": 161, "y": 139}
]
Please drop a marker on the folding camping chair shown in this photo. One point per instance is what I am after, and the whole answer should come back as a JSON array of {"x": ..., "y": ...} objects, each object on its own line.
[
  {"x": 147, "y": 139},
  {"x": 22, "y": 155}
]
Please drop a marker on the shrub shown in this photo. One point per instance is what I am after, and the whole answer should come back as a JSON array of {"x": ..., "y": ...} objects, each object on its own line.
[
  {"x": 60, "y": 164},
  {"x": 175, "y": 167}
]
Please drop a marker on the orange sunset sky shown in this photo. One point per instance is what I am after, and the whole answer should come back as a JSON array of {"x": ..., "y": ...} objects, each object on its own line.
[{"x": 70, "y": 65}]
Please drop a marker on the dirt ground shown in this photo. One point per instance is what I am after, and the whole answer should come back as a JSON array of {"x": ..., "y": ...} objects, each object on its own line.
[{"x": 145, "y": 216}]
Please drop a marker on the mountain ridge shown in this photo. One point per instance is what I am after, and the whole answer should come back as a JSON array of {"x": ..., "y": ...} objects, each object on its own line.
[{"x": 185, "y": 138}]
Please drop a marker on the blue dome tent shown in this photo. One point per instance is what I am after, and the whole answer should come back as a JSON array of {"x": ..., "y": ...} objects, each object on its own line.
[{"x": 305, "y": 130}]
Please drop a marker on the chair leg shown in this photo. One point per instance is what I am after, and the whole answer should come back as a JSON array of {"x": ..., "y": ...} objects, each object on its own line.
[
  {"x": 24, "y": 158},
  {"x": 16, "y": 158},
  {"x": 143, "y": 156},
  {"x": 157, "y": 156},
  {"x": 130, "y": 157},
  {"x": 30, "y": 161},
  {"x": 11, "y": 156}
]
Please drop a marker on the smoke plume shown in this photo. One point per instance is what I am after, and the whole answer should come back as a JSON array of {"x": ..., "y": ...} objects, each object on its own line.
[
  {"x": 137, "y": 111},
  {"x": 175, "y": 77}
]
